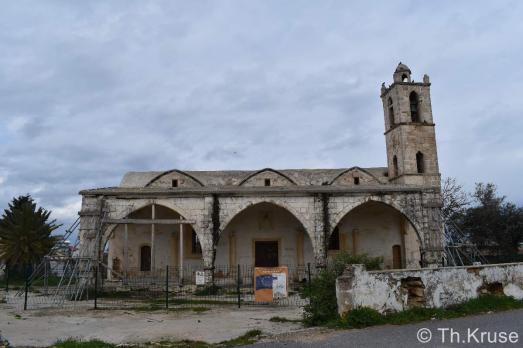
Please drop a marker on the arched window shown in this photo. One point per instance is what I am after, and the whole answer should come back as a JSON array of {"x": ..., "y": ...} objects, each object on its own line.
[
  {"x": 414, "y": 107},
  {"x": 145, "y": 258},
  {"x": 395, "y": 165},
  {"x": 391, "y": 114},
  {"x": 404, "y": 78},
  {"x": 420, "y": 163}
]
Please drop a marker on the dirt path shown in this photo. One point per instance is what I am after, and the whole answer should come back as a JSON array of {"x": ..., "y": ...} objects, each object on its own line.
[{"x": 43, "y": 328}]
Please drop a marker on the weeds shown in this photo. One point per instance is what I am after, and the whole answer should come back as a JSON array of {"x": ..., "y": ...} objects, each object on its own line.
[
  {"x": 323, "y": 306},
  {"x": 248, "y": 338},
  {"x": 364, "y": 317},
  {"x": 74, "y": 343},
  {"x": 284, "y": 320}
]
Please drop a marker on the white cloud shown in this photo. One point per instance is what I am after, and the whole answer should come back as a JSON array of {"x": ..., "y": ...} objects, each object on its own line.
[
  {"x": 17, "y": 123},
  {"x": 67, "y": 211}
]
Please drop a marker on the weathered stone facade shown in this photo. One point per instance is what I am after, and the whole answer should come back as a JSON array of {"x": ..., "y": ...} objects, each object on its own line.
[
  {"x": 319, "y": 199},
  {"x": 394, "y": 291}
]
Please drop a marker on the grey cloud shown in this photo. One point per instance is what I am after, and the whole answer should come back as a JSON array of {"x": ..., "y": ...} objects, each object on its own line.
[{"x": 117, "y": 86}]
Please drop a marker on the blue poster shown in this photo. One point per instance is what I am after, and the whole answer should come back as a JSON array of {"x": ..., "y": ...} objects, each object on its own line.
[{"x": 264, "y": 282}]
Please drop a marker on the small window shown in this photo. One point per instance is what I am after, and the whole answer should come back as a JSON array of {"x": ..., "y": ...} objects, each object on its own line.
[
  {"x": 395, "y": 166},
  {"x": 175, "y": 183},
  {"x": 267, "y": 182},
  {"x": 404, "y": 78},
  {"x": 334, "y": 241},
  {"x": 356, "y": 180},
  {"x": 420, "y": 163},
  {"x": 196, "y": 247},
  {"x": 414, "y": 107}
]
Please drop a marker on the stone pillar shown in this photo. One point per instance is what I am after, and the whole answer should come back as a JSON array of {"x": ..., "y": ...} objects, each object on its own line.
[
  {"x": 299, "y": 247},
  {"x": 319, "y": 241},
  {"x": 90, "y": 216},
  {"x": 232, "y": 249},
  {"x": 126, "y": 250},
  {"x": 355, "y": 239},
  {"x": 180, "y": 250},
  {"x": 433, "y": 231},
  {"x": 153, "y": 237}
]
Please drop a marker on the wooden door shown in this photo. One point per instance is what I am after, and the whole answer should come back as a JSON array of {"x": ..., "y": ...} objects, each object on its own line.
[
  {"x": 145, "y": 258},
  {"x": 397, "y": 262},
  {"x": 266, "y": 254}
]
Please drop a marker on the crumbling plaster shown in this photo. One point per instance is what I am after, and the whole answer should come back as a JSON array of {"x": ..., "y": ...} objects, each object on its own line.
[{"x": 438, "y": 287}]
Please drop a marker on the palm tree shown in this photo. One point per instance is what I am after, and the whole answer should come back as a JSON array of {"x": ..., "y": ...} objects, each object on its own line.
[{"x": 25, "y": 233}]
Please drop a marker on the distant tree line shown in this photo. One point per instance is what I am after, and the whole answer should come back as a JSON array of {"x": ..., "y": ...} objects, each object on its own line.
[{"x": 486, "y": 219}]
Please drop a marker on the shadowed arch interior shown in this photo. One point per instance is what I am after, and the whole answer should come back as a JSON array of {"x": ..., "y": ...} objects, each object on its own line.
[
  {"x": 264, "y": 234},
  {"x": 153, "y": 247},
  {"x": 378, "y": 230}
]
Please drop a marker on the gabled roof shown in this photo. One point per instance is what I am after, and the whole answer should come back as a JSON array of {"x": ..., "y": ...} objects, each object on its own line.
[{"x": 299, "y": 177}]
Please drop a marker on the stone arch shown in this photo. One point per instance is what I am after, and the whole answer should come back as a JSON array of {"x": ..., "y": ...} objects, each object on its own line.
[
  {"x": 374, "y": 227},
  {"x": 231, "y": 214},
  {"x": 264, "y": 220},
  {"x": 163, "y": 252},
  {"x": 350, "y": 207},
  {"x": 123, "y": 213},
  {"x": 270, "y": 170},
  {"x": 366, "y": 173},
  {"x": 158, "y": 177}
]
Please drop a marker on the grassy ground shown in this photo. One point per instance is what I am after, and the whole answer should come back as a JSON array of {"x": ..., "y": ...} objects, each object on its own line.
[
  {"x": 248, "y": 338},
  {"x": 365, "y": 317},
  {"x": 284, "y": 320}
]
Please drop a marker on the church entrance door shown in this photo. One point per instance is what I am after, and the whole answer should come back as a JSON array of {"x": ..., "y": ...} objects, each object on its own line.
[{"x": 266, "y": 253}]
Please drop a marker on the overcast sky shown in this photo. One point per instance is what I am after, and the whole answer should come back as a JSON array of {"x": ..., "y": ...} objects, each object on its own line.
[{"x": 92, "y": 89}]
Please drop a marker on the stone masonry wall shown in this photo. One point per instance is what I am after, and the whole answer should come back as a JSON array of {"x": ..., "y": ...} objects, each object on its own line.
[
  {"x": 312, "y": 210},
  {"x": 399, "y": 290}
]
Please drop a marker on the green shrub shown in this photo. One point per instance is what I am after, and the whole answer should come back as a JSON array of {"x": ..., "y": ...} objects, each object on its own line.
[
  {"x": 323, "y": 307},
  {"x": 362, "y": 317},
  {"x": 418, "y": 314},
  {"x": 486, "y": 303},
  {"x": 74, "y": 343}
]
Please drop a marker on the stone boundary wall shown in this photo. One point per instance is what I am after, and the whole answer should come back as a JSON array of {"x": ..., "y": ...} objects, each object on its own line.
[{"x": 398, "y": 290}]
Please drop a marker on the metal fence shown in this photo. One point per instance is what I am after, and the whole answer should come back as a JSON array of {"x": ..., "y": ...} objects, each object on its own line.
[
  {"x": 83, "y": 285},
  {"x": 173, "y": 287}
]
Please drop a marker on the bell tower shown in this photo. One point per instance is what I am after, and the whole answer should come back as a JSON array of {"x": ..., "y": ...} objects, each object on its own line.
[{"x": 409, "y": 130}]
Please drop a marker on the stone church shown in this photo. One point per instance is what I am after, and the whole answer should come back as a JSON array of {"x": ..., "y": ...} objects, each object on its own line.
[{"x": 291, "y": 217}]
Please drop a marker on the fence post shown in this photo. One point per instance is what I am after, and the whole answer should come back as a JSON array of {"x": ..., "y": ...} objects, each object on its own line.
[
  {"x": 6, "y": 277},
  {"x": 238, "y": 287},
  {"x": 26, "y": 287},
  {"x": 46, "y": 281},
  {"x": 96, "y": 286},
  {"x": 167, "y": 287},
  {"x": 309, "y": 280}
]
